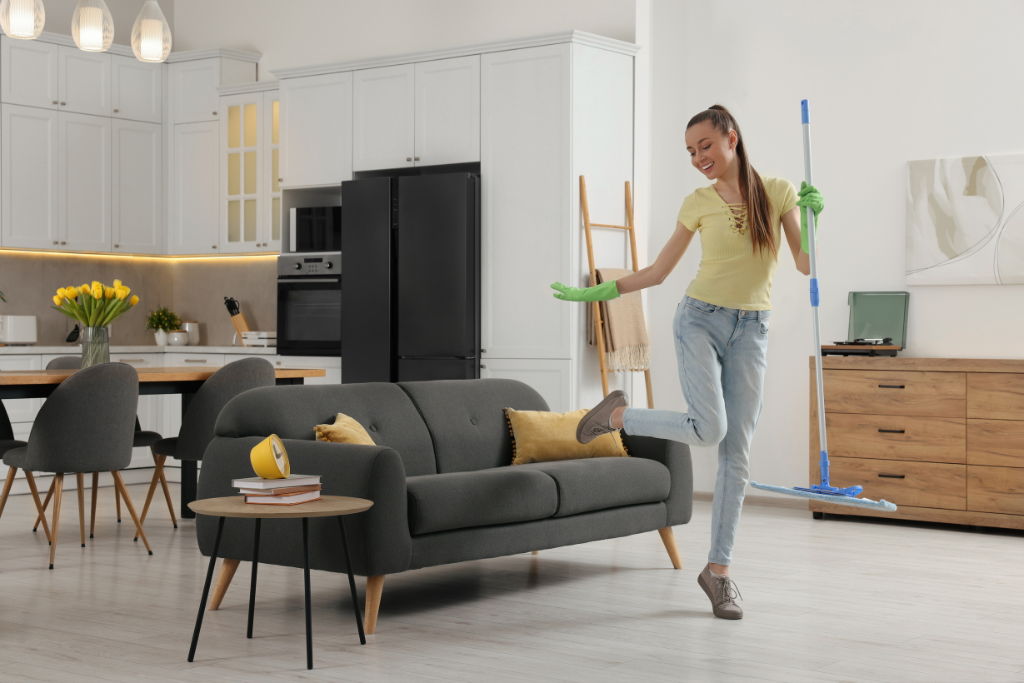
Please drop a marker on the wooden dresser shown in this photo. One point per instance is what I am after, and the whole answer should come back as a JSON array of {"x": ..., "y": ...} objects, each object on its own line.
[{"x": 942, "y": 438}]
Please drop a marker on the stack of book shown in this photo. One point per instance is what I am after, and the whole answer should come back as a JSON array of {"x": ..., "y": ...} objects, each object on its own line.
[{"x": 295, "y": 489}]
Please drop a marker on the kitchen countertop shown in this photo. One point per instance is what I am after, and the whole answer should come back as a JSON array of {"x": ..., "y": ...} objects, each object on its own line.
[{"x": 142, "y": 348}]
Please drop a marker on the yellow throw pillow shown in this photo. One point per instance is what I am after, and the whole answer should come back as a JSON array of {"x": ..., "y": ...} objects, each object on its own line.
[
  {"x": 541, "y": 436},
  {"x": 344, "y": 430}
]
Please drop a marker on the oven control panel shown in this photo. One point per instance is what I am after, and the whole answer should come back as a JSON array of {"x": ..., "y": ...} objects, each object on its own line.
[{"x": 304, "y": 264}]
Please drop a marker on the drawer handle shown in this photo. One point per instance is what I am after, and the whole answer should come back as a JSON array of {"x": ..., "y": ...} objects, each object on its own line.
[
  {"x": 892, "y": 476},
  {"x": 892, "y": 431},
  {"x": 194, "y": 360},
  {"x": 132, "y": 360},
  {"x": 892, "y": 386}
]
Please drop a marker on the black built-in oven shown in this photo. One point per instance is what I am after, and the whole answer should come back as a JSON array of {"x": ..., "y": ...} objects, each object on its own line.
[{"x": 309, "y": 304}]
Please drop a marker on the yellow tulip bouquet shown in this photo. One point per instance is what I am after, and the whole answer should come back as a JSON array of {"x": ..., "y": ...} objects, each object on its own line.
[{"x": 94, "y": 306}]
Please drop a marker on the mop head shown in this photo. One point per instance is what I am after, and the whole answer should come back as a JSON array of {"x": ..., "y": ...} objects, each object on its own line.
[{"x": 826, "y": 498}]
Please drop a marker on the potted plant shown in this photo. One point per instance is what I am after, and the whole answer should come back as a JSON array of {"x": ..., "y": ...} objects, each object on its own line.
[
  {"x": 94, "y": 306},
  {"x": 162, "y": 321}
]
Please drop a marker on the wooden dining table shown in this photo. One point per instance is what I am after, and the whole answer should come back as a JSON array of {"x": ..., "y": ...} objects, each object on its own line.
[{"x": 152, "y": 381}]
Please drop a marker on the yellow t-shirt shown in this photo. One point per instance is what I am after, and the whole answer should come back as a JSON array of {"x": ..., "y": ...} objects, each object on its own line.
[{"x": 731, "y": 273}]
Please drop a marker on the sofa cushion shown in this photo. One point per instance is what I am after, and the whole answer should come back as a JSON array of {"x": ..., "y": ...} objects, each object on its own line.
[
  {"x": 601, "y": 483},
  {"x": 459, "y": 500},
  {"x": 466, "y": 419},
  {"x": 544, "y": 436},
  {"x": 384, "y": 410}
]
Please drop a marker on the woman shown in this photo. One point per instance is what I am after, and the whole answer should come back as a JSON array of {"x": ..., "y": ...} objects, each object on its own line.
[{"x": 721, "y": 326}]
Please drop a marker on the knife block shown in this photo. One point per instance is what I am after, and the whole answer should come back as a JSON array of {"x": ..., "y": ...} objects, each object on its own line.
[{"x": 240, "y": 325}]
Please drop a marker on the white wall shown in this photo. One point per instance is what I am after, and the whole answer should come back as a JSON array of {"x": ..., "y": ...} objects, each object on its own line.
[
  {"x": 123, "y": 12},
  {"x": 307, "y": 32},
  {"x": 888, "y": 82}
]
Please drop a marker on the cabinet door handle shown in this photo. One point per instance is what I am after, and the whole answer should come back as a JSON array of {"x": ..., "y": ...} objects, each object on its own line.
[
  {"x": 408, "y": 158},
  {"x": 116, "y": 110},
  {"x": 892, "y": 386},
  {"x": 55, "y": 101},
  {"x": 214, "y": 246},
  {"x": 131, "y": 360},
  {"x": 63, "y": 242},
  {"x": 214, "y": 113},
  {"x": 117, "y": 246},
  {"x": 892, "y": 431},
  {"x": 55, "y": 242},
  {"x": 892, "y": 476},
  {"x": 416, "y": 158},
  {"x": 280, "y": 180},
  {"x": 483, "y": 367},
  {"x": 195, "y": 360},
  {"x": 63, "y": 104}
]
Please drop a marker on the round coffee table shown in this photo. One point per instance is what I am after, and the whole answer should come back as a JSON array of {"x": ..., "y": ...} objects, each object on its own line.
[{"x": 235, "y": 506}]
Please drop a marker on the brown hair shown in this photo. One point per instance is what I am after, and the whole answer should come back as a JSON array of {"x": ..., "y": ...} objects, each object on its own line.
[{"x": 759, "y": 209}]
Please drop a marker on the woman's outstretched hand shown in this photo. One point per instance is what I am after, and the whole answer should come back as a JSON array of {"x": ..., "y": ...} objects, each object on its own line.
[
  {"x": 602, "y": 292},
  {"x": 809, "y": 197}
]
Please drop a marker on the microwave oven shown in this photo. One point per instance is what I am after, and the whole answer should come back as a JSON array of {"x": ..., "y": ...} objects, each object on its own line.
[{"x": 315, "y": 229}]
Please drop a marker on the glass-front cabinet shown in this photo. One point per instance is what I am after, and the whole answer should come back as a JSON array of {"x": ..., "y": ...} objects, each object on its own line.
[{"x": 250, "y": 194}]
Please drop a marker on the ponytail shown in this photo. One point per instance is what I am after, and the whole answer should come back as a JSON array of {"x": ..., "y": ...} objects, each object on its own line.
[{"x": 759, "y": 209}]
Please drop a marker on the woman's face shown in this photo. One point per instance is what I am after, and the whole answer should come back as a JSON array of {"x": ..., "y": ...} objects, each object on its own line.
[{"x": 711, "y": 153}]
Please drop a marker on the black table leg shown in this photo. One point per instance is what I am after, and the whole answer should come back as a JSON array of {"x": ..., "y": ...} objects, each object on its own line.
[
  {"x": 255, "y": 566},
  {"x": 305, "y": 569},
  {"x": 189, "y": 471},
  {"x": 352, "y": 581},
  {"x": 206, "y": 591}
]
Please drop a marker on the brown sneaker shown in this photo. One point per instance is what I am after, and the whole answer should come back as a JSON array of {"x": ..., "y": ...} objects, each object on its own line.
[
  {"x": 722, "y": 592},
  {"x": 598, "y": 420}
]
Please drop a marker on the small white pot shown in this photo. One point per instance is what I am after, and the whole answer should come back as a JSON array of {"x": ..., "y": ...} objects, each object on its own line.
[
  {"x": 177, "y": 338},
  {"x": 161, "y": 337}
]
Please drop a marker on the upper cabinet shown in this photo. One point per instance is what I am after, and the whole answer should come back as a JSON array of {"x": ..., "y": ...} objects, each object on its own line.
[
  {"x": 137, "y": 89},
  {"x": 241, "y": 172},
  {"x": 84, "y": 81},
  {"x": 194, "y": 90},
  {"x": 28, "y": 175},
  {"x": 84, "y": 171},
  {"x": 29, "y": 73},
  {"x": 417, "y": 114},
  {"x": 137, "y": 187},
  {"x": 272, "y": 170},
  {"x": 195, "y": 195},
  {"x": 316, "y": 130}
]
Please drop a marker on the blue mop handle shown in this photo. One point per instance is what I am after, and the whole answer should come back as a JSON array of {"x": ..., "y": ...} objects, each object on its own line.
[{"x": 815, "y": 296}]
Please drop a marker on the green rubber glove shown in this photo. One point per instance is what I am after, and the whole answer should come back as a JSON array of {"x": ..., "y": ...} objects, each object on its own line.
[
  {"x": 603, "y": 292},
  {"x": 809, "y": 196}
]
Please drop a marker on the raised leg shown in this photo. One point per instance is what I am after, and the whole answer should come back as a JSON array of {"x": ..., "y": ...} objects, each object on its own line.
[
  {"x": 42, "y": 513},
  {"x": 117, "y": 501},
  {"x": 8, "y": 483},
  {"x": 227, "y": 572},
  {"x": 669, "y": 539},
  {"x": 206, "y": 589},
  {"x": 351, "y": 581},
  {"x": 95, "y": 490},
  {"x": 58, "y": 489},
  {"x": 163, "y": 484},
  {"x": 39, "y": 506},
  {"x": 252, "y": 584},
  {"x": 80, "y": 480},
  {"x": 374, "y": 587},
  {"x": 305, "y": 573},
  {"x": 119, "y": 483}
]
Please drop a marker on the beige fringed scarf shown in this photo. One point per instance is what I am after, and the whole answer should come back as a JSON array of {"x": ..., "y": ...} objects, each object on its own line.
[{"x": 625, "y": 332}]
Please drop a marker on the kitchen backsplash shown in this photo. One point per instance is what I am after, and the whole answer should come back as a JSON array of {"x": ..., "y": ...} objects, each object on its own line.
[{"x": 192, "y": 288}]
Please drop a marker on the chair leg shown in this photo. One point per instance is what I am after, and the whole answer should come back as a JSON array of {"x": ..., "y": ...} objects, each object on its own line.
[
  {"x": 149, "y": 497},
  {"x": 374, "y": 588},
  {"x": 669, "y": 540},
  {"x": 39, "y": 507},
  {"x": 42, "y": 514},
  {"x": 58, "y": 489},
  {"x": 227, "y": 572},
  {"x": 167, "y": 490},
  {"x": 80, "y": 478},
  {"x": 8, "y": 483},
  {"x": 117, "y": 501},
  {"x": 119, "y": 483},
  {"x": 92, "y": 518}
]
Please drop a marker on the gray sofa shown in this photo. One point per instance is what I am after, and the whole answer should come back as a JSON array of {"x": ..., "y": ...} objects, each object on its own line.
[{"x": 440, "y": 480}]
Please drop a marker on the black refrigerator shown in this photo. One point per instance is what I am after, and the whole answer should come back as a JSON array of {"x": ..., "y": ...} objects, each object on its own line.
[{"x": 410, "y": 290}]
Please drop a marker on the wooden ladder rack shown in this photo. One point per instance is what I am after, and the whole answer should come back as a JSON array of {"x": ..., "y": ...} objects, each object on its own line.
[{"x": 598, "y": 322}]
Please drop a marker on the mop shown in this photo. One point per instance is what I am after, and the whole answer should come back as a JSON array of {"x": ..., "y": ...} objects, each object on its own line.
[{"x": 824, "y": 491}]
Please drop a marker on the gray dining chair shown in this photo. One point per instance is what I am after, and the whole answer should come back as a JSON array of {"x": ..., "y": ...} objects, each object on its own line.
[
  {"x": 142, "y": 438},
  {"x": 197, "y": 426},
  {"x": 9, "y": 443},
  {"x": 85, "y": 425}
]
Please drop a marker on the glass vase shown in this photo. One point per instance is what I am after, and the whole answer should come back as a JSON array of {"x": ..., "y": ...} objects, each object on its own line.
[{"x": 95, "y": 346}]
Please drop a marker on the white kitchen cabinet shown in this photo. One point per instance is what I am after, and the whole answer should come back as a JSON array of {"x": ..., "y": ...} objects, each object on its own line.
[
  {"x": 29, "y": 178},
  {"x": 272, "y": 171},
  {"x": 383, "y": 117},
  {"x": 331, "y": 364},
  {"x": 21, "y": 409},
  {"x": 242, "y": 214},
  {"x": 196, "y": 193},
  {"x": 527, "y": 236},
  {"x": 194, "y": 95},
  {"x": 137, "y": 196},
  {"x": 189, "y": 359},
  {"x": 85, "y": 173},
  {"x": 316, "y": 130},
  {"x": 84, "y": 81},
  {"x": 448, "y": 111},
  {"x": 552, "y": 379},
  {"x": 136, "y": 89},
  {"x": 29, "y": 73}
]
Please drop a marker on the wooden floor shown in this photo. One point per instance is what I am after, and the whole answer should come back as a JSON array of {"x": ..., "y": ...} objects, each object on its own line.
[{"x": 833, "y": 600}]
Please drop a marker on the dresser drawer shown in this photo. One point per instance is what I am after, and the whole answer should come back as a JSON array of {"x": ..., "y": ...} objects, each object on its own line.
[
  {"x": 995, "y": 489},
  {"x": 995, "y": 442},
  {"x": 995, "y": 395},
  {"x": 870, "y": 392},
  {"x": 889, "y": 437},
  {"x": 917, "y": 484}
]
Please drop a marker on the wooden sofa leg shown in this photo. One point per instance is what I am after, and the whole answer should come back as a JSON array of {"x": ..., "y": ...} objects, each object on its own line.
[
  {"x": 227, "y": 572},
  {"x": 669, "y": 540},
  {"x": 374, "y": 587}
]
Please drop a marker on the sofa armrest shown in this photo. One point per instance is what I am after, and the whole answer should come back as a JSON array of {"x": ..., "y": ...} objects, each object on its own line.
[
  {"x": 378, "y": 539},
  {"x": 676, "y": 457}
]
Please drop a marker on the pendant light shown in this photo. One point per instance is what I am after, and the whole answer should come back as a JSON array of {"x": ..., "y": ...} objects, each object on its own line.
[
  {"x": 151, "y": 36},
  {"x": 92, "y": 27},
  {"x": 22, "y": 18}
]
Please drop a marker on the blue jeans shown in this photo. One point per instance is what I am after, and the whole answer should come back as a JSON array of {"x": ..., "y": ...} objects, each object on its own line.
[{"x": 722, "y": 359}]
